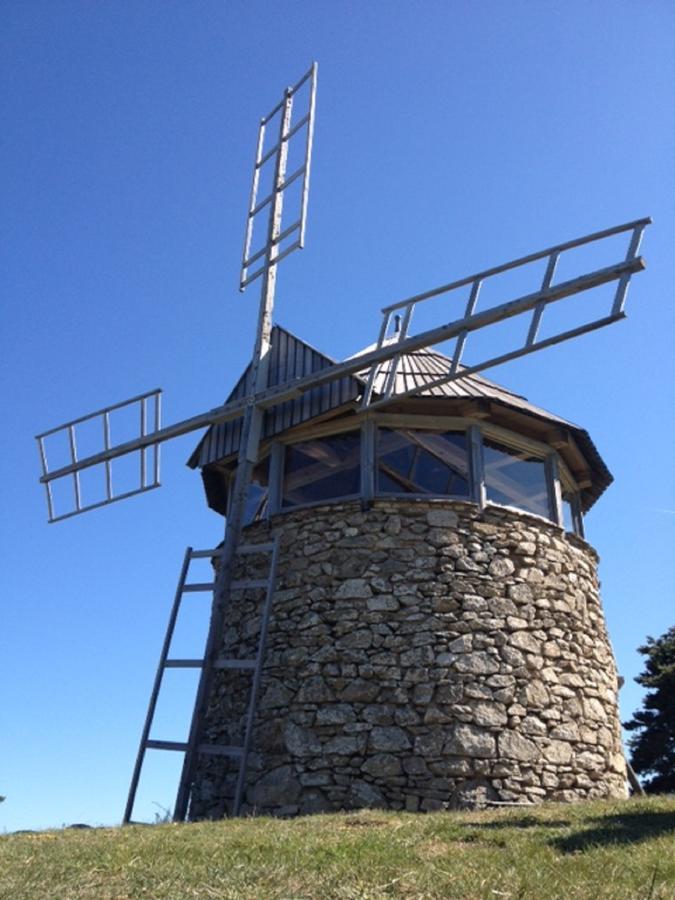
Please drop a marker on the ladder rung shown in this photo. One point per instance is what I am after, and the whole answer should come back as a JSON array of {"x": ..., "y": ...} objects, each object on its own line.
[
  {"x": 234, "y": 664},
  {"x": 255, "y": 548},
  {"x": 205, "y": 554},
  {"x": 199, "y": 586},
  {"x": 166, "y": 745},
  {"x": 183, "y": 663},
  {"x": 249, "y": 583},
  {"x": 219, "y": 750}
]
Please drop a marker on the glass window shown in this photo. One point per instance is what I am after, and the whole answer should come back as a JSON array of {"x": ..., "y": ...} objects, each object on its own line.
[
  {"x": 568, "y": 515},
  {"x": 422, "y": 462},
  {"x": 322, "y": 469},
  {"x": 256, "y": 498},
  {"x": 515, "y": 478}
]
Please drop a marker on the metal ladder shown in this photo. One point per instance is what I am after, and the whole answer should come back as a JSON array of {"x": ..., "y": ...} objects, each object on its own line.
[{"x": 191, "y": 747}]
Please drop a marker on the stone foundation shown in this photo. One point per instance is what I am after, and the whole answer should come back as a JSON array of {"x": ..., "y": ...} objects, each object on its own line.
[{"x": 421, "y": 655}]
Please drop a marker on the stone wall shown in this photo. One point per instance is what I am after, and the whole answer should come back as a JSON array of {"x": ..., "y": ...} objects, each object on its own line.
[{"x": 421, "y": 655}]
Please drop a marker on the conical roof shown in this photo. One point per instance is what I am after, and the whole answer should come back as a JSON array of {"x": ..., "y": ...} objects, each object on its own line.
[{"x": 416, "y": 370}]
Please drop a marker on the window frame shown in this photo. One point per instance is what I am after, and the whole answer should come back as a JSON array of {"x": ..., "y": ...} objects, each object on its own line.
[
  {"x": 560, "y": 483},
  {"x": 422, "y": 495}
]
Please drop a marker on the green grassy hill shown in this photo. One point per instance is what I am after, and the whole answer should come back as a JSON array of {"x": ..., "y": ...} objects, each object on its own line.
[{"x": 596, "y": 850}]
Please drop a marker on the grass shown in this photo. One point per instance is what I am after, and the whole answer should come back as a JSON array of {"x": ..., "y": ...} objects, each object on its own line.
[{"x": 596, "y": 850}]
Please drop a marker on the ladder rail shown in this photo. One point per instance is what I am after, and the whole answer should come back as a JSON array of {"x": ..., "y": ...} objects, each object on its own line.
[
  {"x": 195, "y": 745},
  {"x": 257, "y": 674},
  {"x": 161, "y": 666}
]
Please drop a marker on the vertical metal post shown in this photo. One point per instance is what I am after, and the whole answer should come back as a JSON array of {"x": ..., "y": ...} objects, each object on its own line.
[
  {"x": 255, "y": 686},
  {"x": 308, "y": 155},
  {"x": 76, "y": 475},
  {"x": 48, "y": 486},
  {"x": 622, "y": 287},
  {"x": 143, "y": 429},
  {"x": 133, "y": 787},
  {"x": 461, "y": 339},
  {"x": 248, "y": 456},
  {"x": 394, "y": 361},
  {"x": 577, "y": 517},
  {"x": 555, "y": 509},
  {"x": 368, "y": 393},
  {"x": 539, "y": 308},
  {"x": 251, "y": 204},
  {"x": 275, "y": 476},
  {"x": 368, "y": 462},
  {"x": 477, "y": 469},
  {"x": 106, "y": 444},
  {"x": 158, "y": 420}
]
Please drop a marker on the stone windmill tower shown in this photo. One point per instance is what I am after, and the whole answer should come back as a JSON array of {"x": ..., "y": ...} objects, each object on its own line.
[
  {"x": 405, "y": 612},
  {"x": 437, "y": 636}
]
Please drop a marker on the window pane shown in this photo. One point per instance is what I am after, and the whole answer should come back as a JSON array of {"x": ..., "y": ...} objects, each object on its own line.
[
  {"x": 256, "y": 498},
  {"x": 422, "y": 462},
  {"x": 515, "y": 478},
  {"x": 323, "y": 469}
]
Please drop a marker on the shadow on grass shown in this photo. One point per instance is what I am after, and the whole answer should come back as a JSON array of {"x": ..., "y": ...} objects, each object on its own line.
[
  {"x": 615, "y": 828},
  {"x": 620, "y": 828},
  {"x": 525, "y": 822}
]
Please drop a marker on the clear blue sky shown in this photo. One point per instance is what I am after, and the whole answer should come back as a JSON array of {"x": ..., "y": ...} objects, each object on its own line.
[{"x": 450, "y": 136}]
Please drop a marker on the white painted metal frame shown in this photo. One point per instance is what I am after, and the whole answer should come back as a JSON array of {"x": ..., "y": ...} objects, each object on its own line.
[
  {"x": 149, "y": 410},
  {"x": 288, "y": 131},
  {"x": 473, "y": 321}
]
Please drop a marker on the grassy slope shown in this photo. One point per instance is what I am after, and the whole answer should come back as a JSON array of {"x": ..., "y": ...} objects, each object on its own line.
[{"x": 598, "y": 850}]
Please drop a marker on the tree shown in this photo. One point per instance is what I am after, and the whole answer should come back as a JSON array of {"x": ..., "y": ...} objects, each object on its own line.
[{"x": 652, "y": 746}]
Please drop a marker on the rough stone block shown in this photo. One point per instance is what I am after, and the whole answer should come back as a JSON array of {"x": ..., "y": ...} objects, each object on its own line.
[
  {"x": 515, "y": 746},
  {"x": 301, "y": 742},
  {"x": 469, "y": 741},
  {"x": 388, "y": 739},
  {"x": 442, "y": 518}
]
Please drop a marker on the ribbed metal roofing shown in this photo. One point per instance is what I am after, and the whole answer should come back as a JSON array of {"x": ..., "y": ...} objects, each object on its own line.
[
  {"x": 289, "y": 358},
  {"x": 417, "y": 369}
]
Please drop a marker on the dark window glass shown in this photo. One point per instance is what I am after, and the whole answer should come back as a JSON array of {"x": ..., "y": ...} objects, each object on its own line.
[
  {"x": 256, "y": 498},
  {"x": 422, "y": 462},
  {"x": 515, "y": 478},
  {"x": 323, "y": 469}
]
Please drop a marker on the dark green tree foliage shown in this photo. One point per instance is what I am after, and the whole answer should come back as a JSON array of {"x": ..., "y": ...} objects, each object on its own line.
[{"x": 652, "y": 746}]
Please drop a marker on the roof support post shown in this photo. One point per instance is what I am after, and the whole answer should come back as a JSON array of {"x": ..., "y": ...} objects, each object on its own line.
[
  {"x": 555, "y": 510},
  {"x": 577, "y": 517},
  {"x": 368, "y": 461},
  {"x": 276, "y": 476},
  {"x": 478, "y": 492}
]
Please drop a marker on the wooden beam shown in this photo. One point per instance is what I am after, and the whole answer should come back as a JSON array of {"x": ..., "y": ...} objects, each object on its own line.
[
  {"x": 475, "y": 409},
  {"x": 583, "y": 478},
  {"x": 558, "y": 438}
]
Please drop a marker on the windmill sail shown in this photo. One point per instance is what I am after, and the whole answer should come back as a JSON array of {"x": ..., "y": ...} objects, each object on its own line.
[{"x": 385, "y": 349}]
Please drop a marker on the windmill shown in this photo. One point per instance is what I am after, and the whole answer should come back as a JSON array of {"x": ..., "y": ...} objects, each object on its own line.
[{"x": 375, "y": 372}]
